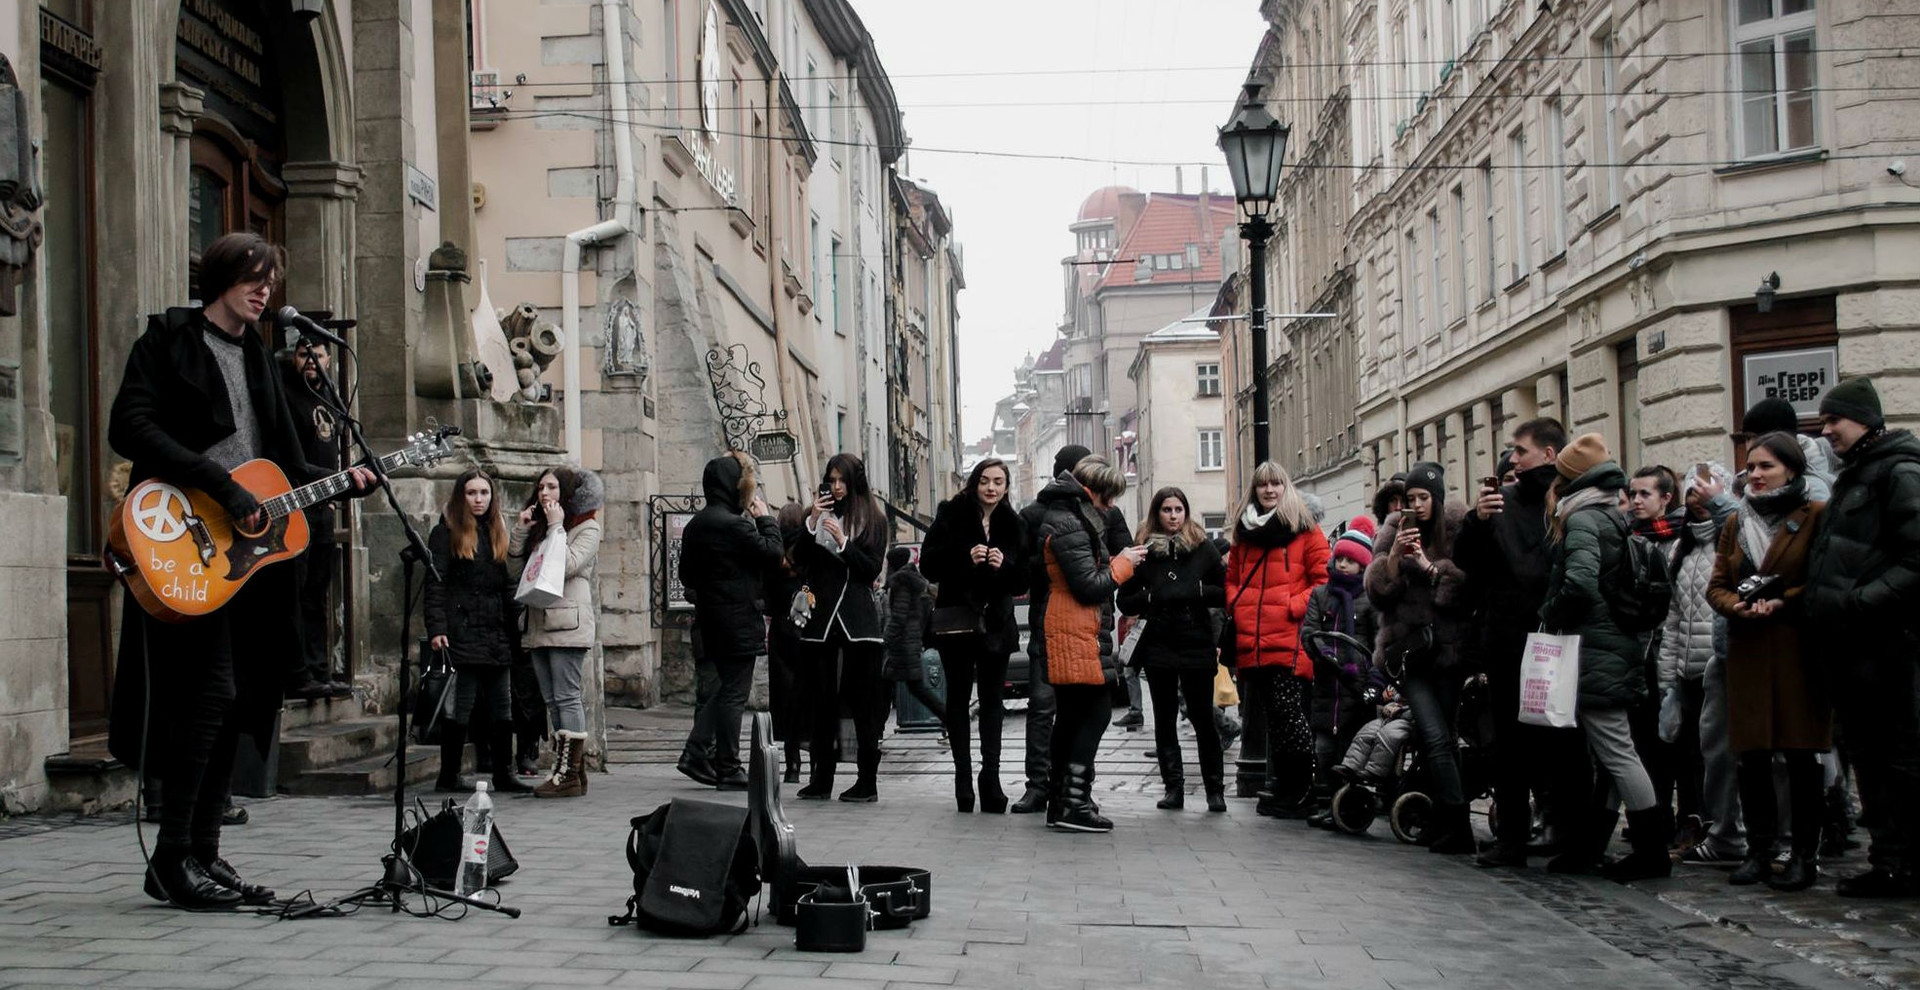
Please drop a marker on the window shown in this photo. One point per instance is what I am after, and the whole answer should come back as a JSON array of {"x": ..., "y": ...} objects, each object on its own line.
[
  {"x": 813, "y": 98},
  {"x": 1436, "y": 255},
  {"x": 836, "y": 146},
  {"x": 814, "y": 250},
  {"x": 1208, "y": 376},
  {"x": 1627, "y": 359},
  {"x": 1460, "y": 243},
  {"x": 837, "y": 304},
  {"x": 1213, "y": 456},
  {"x": 1416, "y": 317},
  {"x": 1556, "y": 178},
  {"x": 1607, "y": 69},
  {"x": 1215, "y": 523},
  {"x": 1490, "y": 260},
  {"x": 1517, "y": 250},
  {"x": 1774, "y": 41}
]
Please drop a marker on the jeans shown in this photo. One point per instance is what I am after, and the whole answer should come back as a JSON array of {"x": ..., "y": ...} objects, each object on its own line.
[
  {"x": 494, "y": 685},
  {"x": 1085, "y": 710},
  {"x": 1434, "y": 696},
  {"x": 854, "y": 668},
  {"x": 1719, "y": 794},
  {"x": 559, "y": 669},
  {"x": 720, "y": 700},
  {"x": 1610, "y": 739},
  {"x": 1875, "y": 695},
  {"x": 1166, "y": 687},
  {"x": 968, "y": 665},
  {"x": 1041, "y": 707}
]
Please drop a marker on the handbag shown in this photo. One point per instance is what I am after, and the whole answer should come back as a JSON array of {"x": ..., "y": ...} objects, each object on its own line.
[
  {"x": 1226, "y": 694},
  {"x": 544, "y": 581},
  {"x": 1131, "y": 643},
  {"x": 432, "y": 697},
  {"x": 959, "y": 620},
  {"x": 1550, "y": 680},
  {"x": 1229, "y": 638},
  {"x": 1414, "y": 647}
]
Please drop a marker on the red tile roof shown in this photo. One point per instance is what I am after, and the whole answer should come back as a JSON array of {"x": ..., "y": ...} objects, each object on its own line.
[
  {"x": 1053, "y": 358},
  {"x": 1171, "y": 222}
]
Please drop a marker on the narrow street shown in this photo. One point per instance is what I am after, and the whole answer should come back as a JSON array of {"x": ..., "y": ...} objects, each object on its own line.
[{"x": 1167, "y": 899}]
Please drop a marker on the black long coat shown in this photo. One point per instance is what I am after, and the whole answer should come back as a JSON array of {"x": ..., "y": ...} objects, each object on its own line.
[
  {"x": 946, "y": 559},
  {"x": 724, "y": 560},
  {"x": 1175, "y": 591},
  {"x": 473, "y": 604},
  {"x": 842, "y": 585},
  {"x": 172, "y": 405}
]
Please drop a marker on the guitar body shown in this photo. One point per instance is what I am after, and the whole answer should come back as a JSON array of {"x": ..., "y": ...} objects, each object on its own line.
[
  {"x": 779, "y": 854},
  {"x": 180, "y": 554}
]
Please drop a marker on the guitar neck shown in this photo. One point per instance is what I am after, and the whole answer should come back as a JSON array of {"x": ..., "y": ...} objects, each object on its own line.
[{"x": 326, "y": 488}]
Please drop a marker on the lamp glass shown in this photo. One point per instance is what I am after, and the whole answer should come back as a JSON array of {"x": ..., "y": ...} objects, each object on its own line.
[{"x": 1255, "y": 146}]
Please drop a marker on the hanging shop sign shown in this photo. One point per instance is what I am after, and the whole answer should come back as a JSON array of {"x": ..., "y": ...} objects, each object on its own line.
[
  {"x": 1800, "y": 377},
  {"x": 775, "y": 447}
]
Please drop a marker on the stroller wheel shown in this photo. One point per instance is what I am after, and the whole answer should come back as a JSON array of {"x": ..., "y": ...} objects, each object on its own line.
[
  {"x": 1412, "y": 814},
  {"x": 1354, "y": 808}
]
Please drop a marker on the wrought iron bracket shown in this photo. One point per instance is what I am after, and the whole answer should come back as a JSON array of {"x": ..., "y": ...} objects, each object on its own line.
[{"x": 739, "y": 392}]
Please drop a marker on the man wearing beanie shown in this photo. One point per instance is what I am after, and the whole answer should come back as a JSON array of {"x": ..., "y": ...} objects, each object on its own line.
[
  {"x": 1040, "y": 700},
  {"x": 1863, "y": 588},
  {"x": 1504, "y": 550},
  {"x": 1774, "y": 415},
  {"x": 1340, "y": 675}
]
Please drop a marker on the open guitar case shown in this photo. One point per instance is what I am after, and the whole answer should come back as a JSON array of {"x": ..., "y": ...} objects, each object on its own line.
[{"x": 830, "y": 908}]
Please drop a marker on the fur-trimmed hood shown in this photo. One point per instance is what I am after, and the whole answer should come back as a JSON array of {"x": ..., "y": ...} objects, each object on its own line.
[
  {"x": 729, "y": 480},
  {"x": 589, "y": 493}
]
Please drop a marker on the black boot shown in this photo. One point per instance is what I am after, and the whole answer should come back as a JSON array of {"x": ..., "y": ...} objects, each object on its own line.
[
  {"x": 1581, "y": 851},
  {"x": 175, "y": 877},
  {"x": 1173, "y": 776},
  {"x": 221, "y": 872},
  {"x": 1289, "y": 791},
  {"x": 865, "y": 789},
  {"x": 1454, "y": 837},
  {"x": 1034, "y": 800},
  {"x": 1077, "y": 812},
  {"x": 504, "y": 779},
  {"x": 792, "y": 775},
  {"x": 453, "y": 744},
  {"x": 962, "y": 782},
  {"x": 1215, "y": 784},
  {"x": 1649, "y": 860},
  {"x": 993, "y": 800}
]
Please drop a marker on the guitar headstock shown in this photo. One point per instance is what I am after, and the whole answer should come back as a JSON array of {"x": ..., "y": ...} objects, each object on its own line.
[{"x": 428, "y": 447}]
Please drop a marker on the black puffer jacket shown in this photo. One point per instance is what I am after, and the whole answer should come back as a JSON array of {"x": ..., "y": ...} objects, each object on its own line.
[
  {"x": 724, "y": 560},
  {"x": 1866, "y": 558},
  {"x": 1073, "y": 533},
  {"x": 1175, "y": 590},
  {"x": 946, "y": 559},
  {"x": 1114, "y": 535},
  {"x": 1341, "y": 674},
  {"x": 1506, "y": 559},
  {"x": 472, "y": 605},
  {"x": 908, "y": 607}
]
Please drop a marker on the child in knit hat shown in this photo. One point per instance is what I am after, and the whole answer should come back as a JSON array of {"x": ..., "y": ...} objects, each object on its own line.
[{"x": 1341, "y": 674}]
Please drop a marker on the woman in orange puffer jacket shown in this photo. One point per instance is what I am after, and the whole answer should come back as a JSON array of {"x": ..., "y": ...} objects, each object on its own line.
[{"x": 1279, "y": 556}]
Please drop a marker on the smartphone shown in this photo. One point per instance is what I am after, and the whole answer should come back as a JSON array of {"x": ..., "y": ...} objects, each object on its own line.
[
  {"x": 825, "y": 492},
  {"x": 1490, "y": 483}
]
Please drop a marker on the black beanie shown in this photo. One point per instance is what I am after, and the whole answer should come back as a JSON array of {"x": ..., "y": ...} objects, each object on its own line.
[
  {"x": 1069, "y": 456},
  {"x": 1429, "y": 476},
  {"x": 1769, "y": 416},
  {"x": 1854, "y": 399}
]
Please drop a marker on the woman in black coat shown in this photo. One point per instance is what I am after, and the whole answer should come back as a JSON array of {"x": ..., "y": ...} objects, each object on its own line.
[
  {"x": 470, "y": 616},
  {"x": 909, "y": 610},
  {"x": 975, "y": 552},
  {"x": 1172, "y": 592},
  {"x": 789, "y": 684},
  {"x": 840, "y": 560}
]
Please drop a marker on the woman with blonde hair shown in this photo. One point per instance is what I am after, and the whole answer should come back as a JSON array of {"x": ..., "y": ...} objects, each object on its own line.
[
  {"x": 1278, "y": 557},
  {"x": 469, "y": 611}
]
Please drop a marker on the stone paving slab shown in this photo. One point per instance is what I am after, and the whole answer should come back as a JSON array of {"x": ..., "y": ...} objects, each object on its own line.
[{"x": 1177, "y": 899}]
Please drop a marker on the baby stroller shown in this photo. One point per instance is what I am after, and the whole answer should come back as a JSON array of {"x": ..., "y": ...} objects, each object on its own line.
[{"x": 1405, "y": 796}]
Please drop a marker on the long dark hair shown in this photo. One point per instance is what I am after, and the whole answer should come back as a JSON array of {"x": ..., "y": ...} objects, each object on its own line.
[
  {"x": 569, "y": 482},
  {"x": 461, "y": 524},
  {"x": 860, "y": 509},
  {"x": 792, "y": 519},
  {"x": 1191, "y": 534},
  {"x": 971, "y": 490},
  {"x": 1785, "y": 448}
]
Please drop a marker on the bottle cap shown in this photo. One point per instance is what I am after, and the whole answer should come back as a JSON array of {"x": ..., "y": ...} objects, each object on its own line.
[{"x": 480, "y": 787}]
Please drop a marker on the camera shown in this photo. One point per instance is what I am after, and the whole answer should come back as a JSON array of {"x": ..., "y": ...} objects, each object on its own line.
[{"x": 1758, "y": 588}]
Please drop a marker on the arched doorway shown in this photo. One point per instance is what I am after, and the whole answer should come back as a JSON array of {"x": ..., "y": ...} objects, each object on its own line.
[{"x": 232, "y": 185}]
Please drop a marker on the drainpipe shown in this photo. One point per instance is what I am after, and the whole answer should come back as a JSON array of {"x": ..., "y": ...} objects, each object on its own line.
[{"x": 614, "y": 35}]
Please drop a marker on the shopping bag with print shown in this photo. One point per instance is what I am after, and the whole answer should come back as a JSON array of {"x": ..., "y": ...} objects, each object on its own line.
[
  {"x": 544, "y": 582},
  {"x": 1549, "y": 680}
]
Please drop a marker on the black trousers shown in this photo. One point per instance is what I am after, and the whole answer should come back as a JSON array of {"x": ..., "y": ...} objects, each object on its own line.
[
  {"x": 1806, "y": 800},
  {"x": 720, "y": 701},
  {"x": 1165, "y": 689},
  {"x": 969, "y": 666},
  {"x": 316, "y": 619},
  {"x": 1528, "y": 755},
  {"x": 1084, "y": 712},
  {"x": 1041, "y": 711},
  {"x": 487, "y": 689},
  {"x": 1875, "y": 696},
  {"x": 1687, "y": 768},
  {"x": 847, "y": 674}
]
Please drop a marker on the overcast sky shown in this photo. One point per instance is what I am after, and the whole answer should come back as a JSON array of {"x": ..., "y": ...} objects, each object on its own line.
[{"x": 1168, "y": 76}]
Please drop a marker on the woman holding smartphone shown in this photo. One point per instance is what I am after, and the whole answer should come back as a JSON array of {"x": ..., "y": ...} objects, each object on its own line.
[
  {"x": 840, "y": 558},
  {"x": 562, "y": 634},
  {"x": 1777, "y": 694}
]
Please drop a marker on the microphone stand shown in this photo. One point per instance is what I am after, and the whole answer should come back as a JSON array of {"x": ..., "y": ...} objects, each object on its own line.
[{"x": 398, "y": 875}]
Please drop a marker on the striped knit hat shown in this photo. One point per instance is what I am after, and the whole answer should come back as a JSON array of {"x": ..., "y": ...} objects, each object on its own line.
[{"x": 1356, "y": 541}]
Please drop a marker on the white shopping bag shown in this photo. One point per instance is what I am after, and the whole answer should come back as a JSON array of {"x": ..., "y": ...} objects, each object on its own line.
[
  {"x": 1549, "y": 680},
  {"x": 544, "y": 582}
]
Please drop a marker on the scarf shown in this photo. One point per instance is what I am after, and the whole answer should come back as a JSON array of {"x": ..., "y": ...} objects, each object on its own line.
[
  {"x": 1583, "y": 498},
  {"x": 1660, "y": 530},
  {"x": 1265, "y": 529},
  {"x": 1871, "y": 437},
  {"x": 1760, "y": 523},
  {"x": 1344, "y": 588},
  {"x": 1252, "y": 518}
]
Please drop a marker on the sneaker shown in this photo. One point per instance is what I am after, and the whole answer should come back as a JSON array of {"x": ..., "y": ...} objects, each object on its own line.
[
  {"x": 1706, "y": 854},
  {"x": 1690, "y": 832}
]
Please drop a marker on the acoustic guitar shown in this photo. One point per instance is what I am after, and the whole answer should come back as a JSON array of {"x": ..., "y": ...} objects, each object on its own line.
[{"x": 183, "y": 557}]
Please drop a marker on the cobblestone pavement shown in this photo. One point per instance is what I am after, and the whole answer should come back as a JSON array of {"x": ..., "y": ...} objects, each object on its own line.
[{"x": 1182, "y": 899}]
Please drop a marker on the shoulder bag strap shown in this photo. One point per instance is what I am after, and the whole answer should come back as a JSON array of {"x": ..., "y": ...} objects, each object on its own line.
[{"x": 1262, "y": 562}]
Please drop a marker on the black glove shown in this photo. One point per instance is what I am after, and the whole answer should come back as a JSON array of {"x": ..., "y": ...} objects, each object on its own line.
[{"x": 238, "y": 502}]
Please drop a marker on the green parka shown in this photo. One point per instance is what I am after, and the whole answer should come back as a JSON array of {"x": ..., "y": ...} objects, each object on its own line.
[{"x": 1612, "y": 667}]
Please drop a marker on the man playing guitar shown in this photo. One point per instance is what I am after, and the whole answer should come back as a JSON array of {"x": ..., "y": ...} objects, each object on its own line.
[{"x": 200, "y": 396}]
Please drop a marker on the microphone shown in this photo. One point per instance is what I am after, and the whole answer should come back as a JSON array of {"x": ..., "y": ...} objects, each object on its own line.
[{"x": 292, "y": 323}]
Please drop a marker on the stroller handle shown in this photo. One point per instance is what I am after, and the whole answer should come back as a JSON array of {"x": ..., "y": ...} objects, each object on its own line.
[{"x": 1365, "y": 651}]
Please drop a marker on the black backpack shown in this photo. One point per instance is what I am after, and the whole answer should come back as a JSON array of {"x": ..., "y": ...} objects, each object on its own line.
[
  {"x": 696, "y": 869},
  {"x": 1641, "y": 587}
]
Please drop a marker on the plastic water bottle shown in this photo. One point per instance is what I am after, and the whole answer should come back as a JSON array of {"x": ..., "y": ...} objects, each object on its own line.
[{"x": 476, "y": 820}]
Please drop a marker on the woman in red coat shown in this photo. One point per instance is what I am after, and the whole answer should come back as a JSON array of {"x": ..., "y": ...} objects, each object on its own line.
[{"x": 1279, "y": 556}]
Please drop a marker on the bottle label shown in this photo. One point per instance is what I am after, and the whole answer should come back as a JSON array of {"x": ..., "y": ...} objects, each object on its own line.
[{"x": 475, "y": 849}]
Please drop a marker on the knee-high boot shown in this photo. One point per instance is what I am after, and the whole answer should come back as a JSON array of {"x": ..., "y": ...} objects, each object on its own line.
[
  {"x": 453, "y": 745},
  {"x": 1173, "y": 777}
]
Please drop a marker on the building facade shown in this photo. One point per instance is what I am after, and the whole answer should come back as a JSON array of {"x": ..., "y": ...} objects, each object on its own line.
[
  {"x": 1566, "y": 209},
  {"x": 1182, "y": 421}
]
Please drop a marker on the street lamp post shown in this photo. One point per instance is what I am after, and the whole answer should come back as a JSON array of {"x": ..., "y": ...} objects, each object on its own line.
[{"x": 1255, "y": 145}]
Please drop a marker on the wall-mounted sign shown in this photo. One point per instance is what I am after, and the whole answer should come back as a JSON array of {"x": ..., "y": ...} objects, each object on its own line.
[
  {"x": 676, "y": 531},
  {"x": 775, "y": 447},
  {"x": 709, "y": 68},
  {"x": 221, "y": 47},
  {"x": 421, "y": 188},
  {"x": 1800, "y": 377}
]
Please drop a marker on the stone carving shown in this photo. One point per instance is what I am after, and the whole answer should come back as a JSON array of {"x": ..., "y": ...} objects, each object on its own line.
[
  {"x": 626, "y": 346},
  {"x": 20, "y": 230},
  {"x": 535, "y": 342}
]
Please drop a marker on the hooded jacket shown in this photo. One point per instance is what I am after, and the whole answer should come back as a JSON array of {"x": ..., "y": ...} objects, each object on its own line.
[
  {"x": 1413, "y": 599},
  {"x": 1113, "y": 534},
  {"x": 1612, "y": 674},
  {"x": 1271, "y": 572},
  {"x": 1072, "y": 613},
  {"x": 908, "y": 609},
  {"x": 1175, "y": 590},
  {"x": 567, "y": 624},
  {"x": 724, "y": 559},
  {"x": 946, "y": 559},
  {"x": 1865, "y": 575}
]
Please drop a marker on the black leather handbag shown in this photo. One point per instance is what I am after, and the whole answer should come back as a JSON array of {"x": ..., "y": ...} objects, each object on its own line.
[{"x": 959, "y": 620}]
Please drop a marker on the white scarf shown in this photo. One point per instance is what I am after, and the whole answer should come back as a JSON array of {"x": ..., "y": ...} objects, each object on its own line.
[
  {"x": 1756, "y": 533},
  {"x": 1252, "y": 518},
  {"x": 1583, "y": 498}
]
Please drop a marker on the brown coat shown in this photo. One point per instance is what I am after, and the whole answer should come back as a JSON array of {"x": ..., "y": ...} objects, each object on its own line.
[{"x": 1777, "y": 687}]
